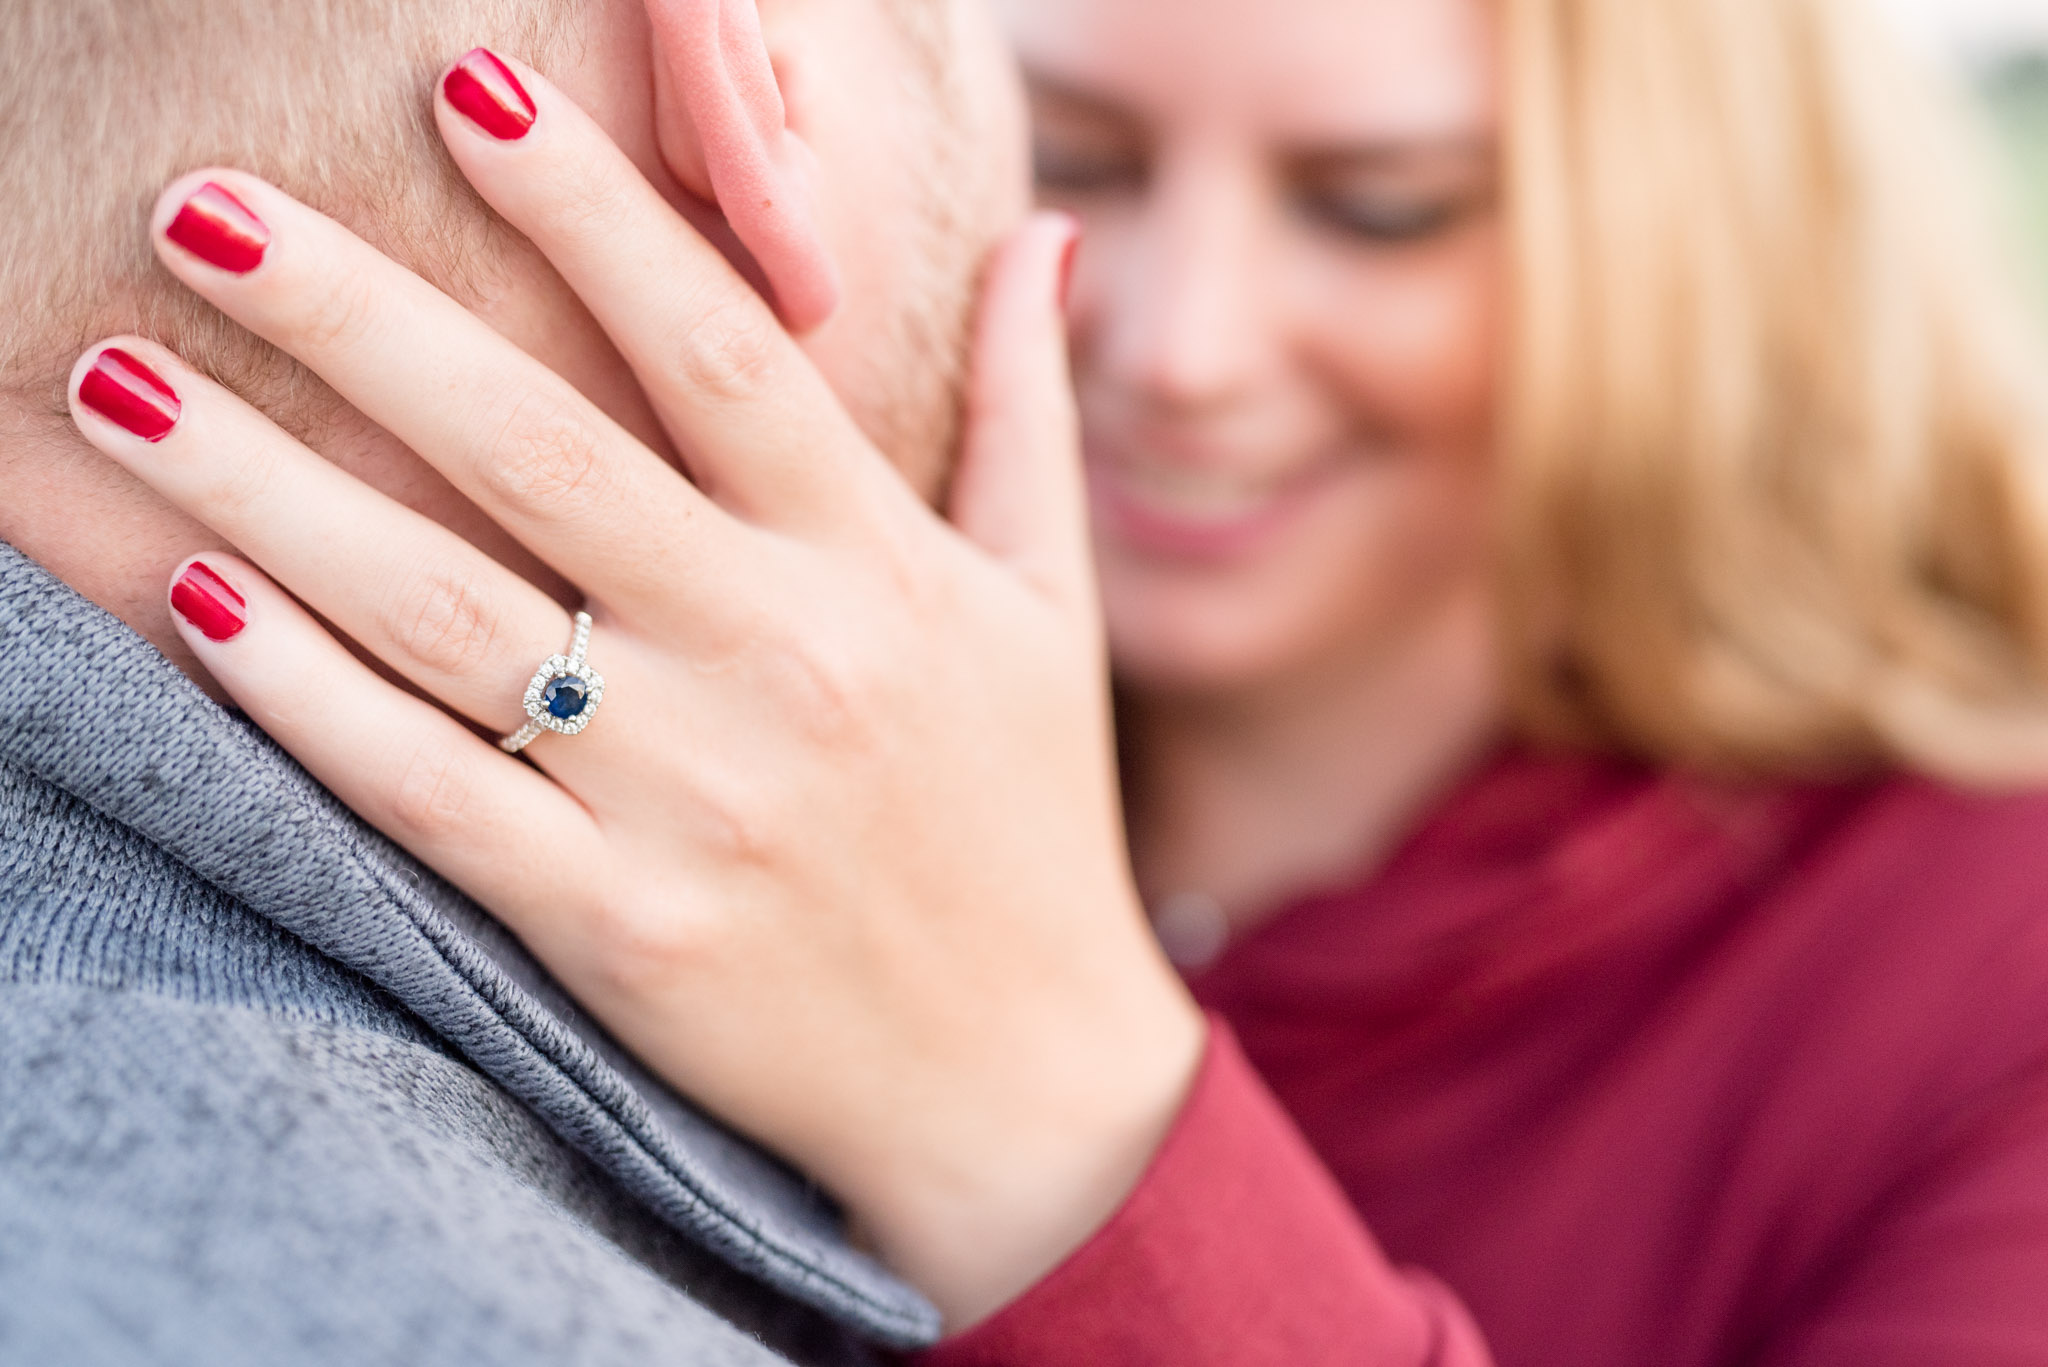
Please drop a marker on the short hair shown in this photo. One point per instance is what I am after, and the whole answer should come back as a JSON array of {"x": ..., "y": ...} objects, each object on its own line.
[
  {"x": 109, "y": 100},
  {"x": 1774, "y": 477}
]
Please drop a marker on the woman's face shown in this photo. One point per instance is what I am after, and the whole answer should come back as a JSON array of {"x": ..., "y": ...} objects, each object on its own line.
[{"x": 1285, "y": 317}]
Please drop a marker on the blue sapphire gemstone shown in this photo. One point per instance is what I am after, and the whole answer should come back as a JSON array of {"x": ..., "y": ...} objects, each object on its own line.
[{"x": 566, "y": 697}]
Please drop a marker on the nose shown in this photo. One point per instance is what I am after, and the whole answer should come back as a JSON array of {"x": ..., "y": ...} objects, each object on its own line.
[{"x": 1180, "y": 318}]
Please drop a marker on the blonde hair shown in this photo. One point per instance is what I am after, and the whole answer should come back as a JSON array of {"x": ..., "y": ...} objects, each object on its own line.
[{"x": 1775, "y": 490}]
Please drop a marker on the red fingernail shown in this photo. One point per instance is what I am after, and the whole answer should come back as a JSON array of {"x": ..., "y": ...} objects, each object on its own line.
[
  {"x": 204, "y": 599},
  {"x": 129, "y": 394},
  {"x": 1067, "y": 259},
  {"x": 219, "y": 229},
  {"x": 484, "y": 89}
]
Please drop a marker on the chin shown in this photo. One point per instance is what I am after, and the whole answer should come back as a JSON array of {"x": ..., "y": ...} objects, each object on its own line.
[
  {"x": 1195, "y": 642},
  {"x": 1319, "y": 615}
]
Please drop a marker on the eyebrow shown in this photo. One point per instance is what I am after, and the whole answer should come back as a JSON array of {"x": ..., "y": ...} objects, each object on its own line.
[
  {"x": 1088, "y": 102},
  {"x": 1326, "y": 157}
]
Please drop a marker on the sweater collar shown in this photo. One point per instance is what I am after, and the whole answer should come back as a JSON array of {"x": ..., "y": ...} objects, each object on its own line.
[{"x": 94, "y": 710}]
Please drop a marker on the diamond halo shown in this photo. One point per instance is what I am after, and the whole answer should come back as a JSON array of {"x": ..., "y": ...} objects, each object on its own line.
[{"x": 541, "y": 708}]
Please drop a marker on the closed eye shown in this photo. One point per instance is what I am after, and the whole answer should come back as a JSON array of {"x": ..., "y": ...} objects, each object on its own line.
[
  {"x": 1386, "y": 219},
  {"x": 1065, "y": 169}
]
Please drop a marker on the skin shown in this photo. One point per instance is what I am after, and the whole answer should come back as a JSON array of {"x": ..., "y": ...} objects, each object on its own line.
[
  {"x": 1286, "y": 324},
  {"x": 775, "y": 866},
  {"x": 816, "y": 913},
  {"x": 846, "y": 74}
]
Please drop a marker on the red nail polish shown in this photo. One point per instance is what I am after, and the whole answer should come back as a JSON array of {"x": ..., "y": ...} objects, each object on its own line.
[
  {"x": 484, "y": 89},
  {"x": 204, "y": 599},
  {"x": 130, "y": 395},
  {"x": 219, "y": 229}
]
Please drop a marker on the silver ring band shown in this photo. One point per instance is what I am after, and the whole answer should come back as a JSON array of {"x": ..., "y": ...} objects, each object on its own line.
[{"x": 564, "y": 695}]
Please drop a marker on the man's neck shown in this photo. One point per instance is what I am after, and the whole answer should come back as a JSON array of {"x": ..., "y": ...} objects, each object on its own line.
[
  {"x": 113, "y": 540},
  {"x": 92, "y": 524}
]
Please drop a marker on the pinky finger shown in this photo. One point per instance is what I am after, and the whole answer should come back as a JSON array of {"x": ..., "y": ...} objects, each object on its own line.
[{"x": 409, "y": 769}]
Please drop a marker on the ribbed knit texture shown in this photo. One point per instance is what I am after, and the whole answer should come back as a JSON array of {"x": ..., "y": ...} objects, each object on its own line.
[{"x": 191, "y": 932}]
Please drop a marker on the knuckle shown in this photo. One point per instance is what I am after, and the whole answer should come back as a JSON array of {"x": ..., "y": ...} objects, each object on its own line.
[
  {"x": 337, "y": 312},
  {"x": 239, "y": 490},
  {"x": 643, "y": 946},
  {"x": 586, "y": 206},
  {"x": 446, "y": 622},
  {"x": 729, "y": 356},
  {"x": 742, "y": 837},
  {"x": 907, "y": 577},
  {"x": 431, "y": 799},
  {"x": 833, "y": 693},
  {"x": 548, "y": 456}
]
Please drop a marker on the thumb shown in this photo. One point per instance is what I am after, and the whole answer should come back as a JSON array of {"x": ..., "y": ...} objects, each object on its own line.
[{"x": 1019, "y": 493}]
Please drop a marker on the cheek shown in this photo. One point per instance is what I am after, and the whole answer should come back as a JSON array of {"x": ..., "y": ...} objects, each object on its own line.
[
  {"x": 1410, "y": 342},
  {"x": 1402, "y": 352}
]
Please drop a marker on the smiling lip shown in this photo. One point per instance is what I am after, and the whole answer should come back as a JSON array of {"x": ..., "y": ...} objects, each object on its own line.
[{"x": 1180, "y": 513}]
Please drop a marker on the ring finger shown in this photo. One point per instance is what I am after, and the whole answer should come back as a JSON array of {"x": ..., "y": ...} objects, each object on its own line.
[
  {"x": 456, "y": 623},
  {"x": 408, "y": 768}
]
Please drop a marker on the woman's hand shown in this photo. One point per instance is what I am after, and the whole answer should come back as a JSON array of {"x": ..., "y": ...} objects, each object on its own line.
[{"x": 839, "y": 853}]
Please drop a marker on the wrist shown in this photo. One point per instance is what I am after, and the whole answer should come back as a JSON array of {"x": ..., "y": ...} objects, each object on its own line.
[{"x": 1017, "y": 1191}]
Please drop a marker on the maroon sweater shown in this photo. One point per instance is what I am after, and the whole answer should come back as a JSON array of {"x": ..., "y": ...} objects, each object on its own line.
[{"x": 1610, "y": 1069}]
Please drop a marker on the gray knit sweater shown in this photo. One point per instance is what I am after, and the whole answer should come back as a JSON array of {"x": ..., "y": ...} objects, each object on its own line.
[{"x": 270, "y": 1093}]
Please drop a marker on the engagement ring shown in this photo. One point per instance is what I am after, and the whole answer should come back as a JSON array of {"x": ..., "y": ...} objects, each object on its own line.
[{"x": 563, "y": 696}]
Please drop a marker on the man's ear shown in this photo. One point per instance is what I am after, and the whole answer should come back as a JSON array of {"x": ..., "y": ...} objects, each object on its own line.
[{"x": 725, "y": 135}]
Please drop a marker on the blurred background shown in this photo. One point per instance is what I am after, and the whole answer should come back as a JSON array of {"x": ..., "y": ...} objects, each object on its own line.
[
  {"x": 2003, "y": 46},
  {"x": 2017, "y": 86}
]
